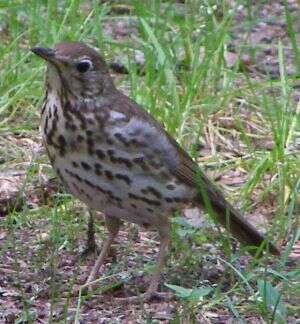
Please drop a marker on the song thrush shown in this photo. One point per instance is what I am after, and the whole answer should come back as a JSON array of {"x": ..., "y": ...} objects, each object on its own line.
[{"x": 112, "y": 155}]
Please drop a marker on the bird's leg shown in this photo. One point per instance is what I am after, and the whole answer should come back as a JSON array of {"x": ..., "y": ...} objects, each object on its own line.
[
  {"x": 113, "y": 225},
  {"x": 91, "y": 242},
  {"x": 152, "y": 292},
  {"x": 160, "y": 263},
  {"x": 91, "y": 246}
]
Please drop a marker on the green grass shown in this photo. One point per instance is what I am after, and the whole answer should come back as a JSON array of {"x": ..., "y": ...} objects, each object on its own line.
[{"x": 187, "y": 85}]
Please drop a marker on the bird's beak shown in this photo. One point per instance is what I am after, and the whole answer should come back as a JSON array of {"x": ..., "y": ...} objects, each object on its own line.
[{"x": 47, "y": 54}]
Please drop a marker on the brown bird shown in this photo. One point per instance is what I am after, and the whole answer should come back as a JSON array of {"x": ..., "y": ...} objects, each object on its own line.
[{"x": 112, "y": 155}]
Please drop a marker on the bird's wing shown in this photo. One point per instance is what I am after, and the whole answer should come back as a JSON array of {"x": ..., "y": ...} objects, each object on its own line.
[
  {"x": 211, "y": 197},
  {"x": 174, "y": 159}
]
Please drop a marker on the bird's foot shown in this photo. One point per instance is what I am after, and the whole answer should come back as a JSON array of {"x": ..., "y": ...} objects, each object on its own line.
[{"x": 91, "y": 249}]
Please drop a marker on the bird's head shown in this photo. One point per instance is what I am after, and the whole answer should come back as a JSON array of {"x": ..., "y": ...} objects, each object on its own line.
[{"x": 77, "y": 68}]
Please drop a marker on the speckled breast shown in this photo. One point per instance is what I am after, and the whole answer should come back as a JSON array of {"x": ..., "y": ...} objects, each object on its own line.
[{"x": 114, "y": 163}]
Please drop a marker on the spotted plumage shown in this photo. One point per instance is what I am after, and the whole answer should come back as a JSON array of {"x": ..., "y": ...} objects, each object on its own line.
[{"x": 112, "y": 155}]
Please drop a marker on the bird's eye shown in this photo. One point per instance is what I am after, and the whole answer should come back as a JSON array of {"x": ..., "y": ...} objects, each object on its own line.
[{"x": 84, "y": 65}]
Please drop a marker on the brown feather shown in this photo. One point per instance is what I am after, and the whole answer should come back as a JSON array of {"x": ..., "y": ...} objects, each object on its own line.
[
  {"x": 210, "y": 197},
  {"x": 185, "y": 169}
]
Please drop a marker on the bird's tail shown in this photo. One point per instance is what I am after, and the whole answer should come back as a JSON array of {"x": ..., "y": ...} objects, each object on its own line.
[{"x": 214, "y": 201}]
